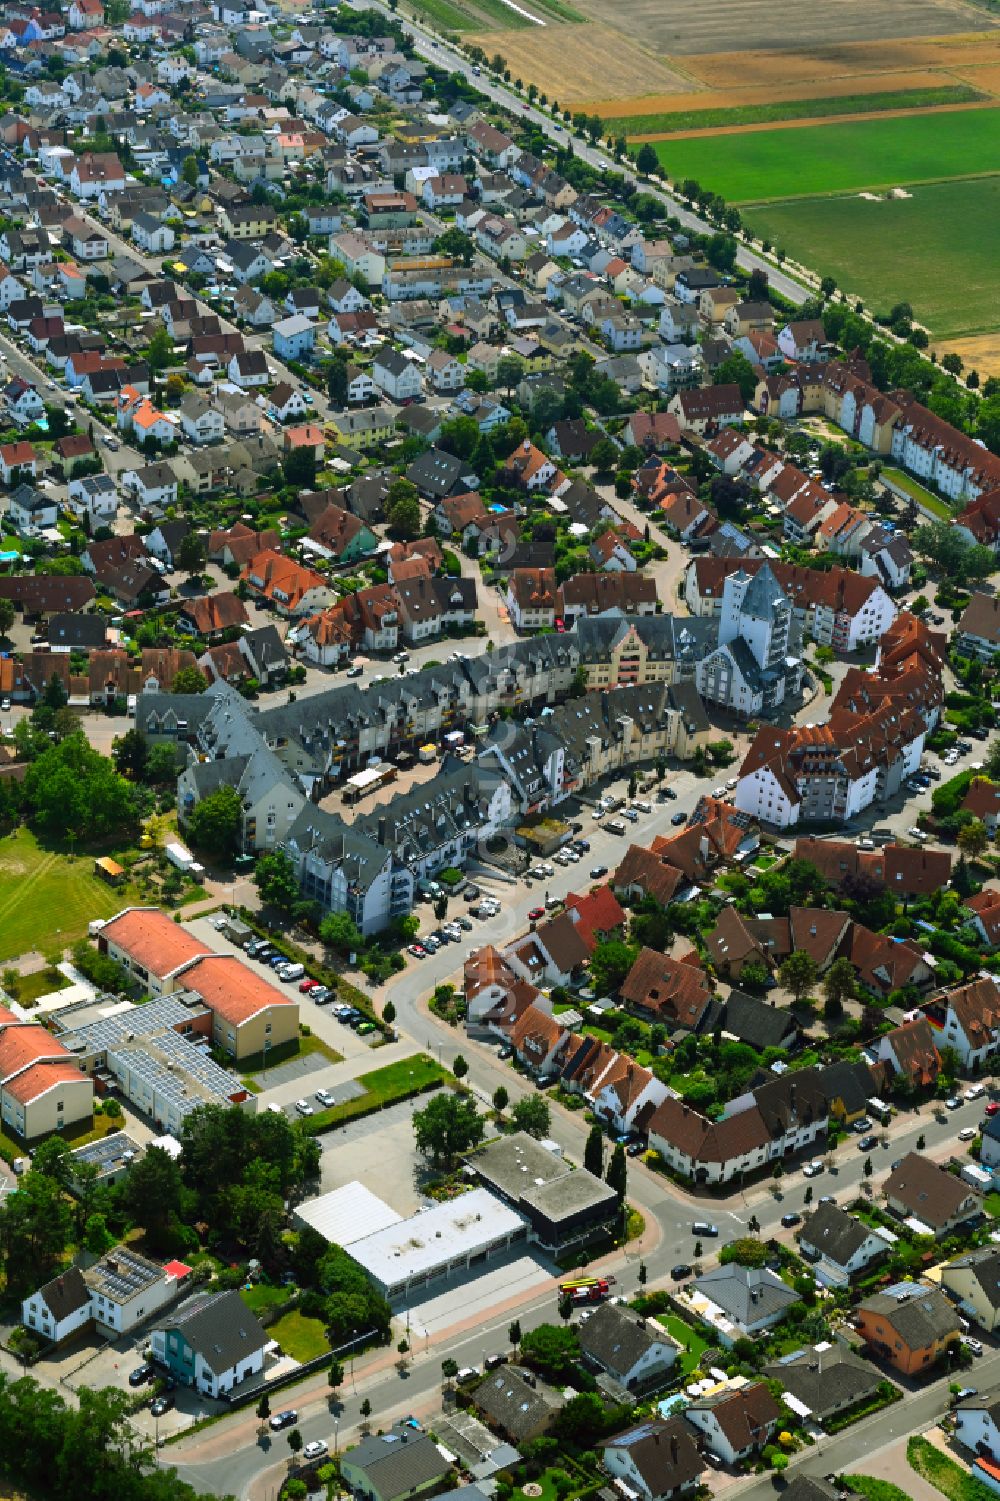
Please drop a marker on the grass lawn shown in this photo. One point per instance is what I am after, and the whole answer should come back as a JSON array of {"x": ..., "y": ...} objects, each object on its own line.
[
  {"x": 382, "y": 1086},
  {"x": 789, "y": 109},
  {"x": 902, "y": 248},
  {"x": 875, "y": 1490},
  {"x": 263, "y": 1295},
  {"x": 31, "y": 988},
  {"x": 692, "y": 1342},
  {"x": 300, "y": 1337},
  {"x": 839, "y": 158},
  {"x": 944, "y": 1474},
  {"x": 46, "y": 898},
  {"x": 916, "y": 491},
  {"x": 992, "y": 1205}
]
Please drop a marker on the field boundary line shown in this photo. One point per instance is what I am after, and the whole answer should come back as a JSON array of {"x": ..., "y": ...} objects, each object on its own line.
[
  {"x": 869, "y": 187},
  {"x": 812, "y": 122}
]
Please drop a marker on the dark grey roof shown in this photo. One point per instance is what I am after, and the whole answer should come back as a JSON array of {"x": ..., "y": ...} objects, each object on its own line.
[
  {"x": 921, "y": 1316},
  {"x": 399, "y": 1462},
  {"x": 519, "y": 1409},
  {"x": 66, "y": 1293},
  {"x": 813, "y": 1488},
  {"x": 221, "y": 1329},
  {"x": 984, "y": 1264},
  {"x": 664, "y": 1453},
  {"x": 616, "y": 1338},
  {"x": 834, "y": 1232},
  {"x": 756, "y": 1023},
  {"x": 826, "y": 1379},
  {"x": 746, "y": 1294},
  {"x": 435, "y": 473},
  {"x": 84, "y": 631}
]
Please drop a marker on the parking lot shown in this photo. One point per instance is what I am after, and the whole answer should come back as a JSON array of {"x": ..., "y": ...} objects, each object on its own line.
[{"x": 379, "y": 1152}]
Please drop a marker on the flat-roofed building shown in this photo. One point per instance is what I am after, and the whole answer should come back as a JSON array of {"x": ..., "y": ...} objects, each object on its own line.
[{"x": 435, "y": 1243}]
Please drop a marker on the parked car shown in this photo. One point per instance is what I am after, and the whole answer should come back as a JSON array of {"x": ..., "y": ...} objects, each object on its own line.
[
  {"x": 303, "y": 1107},
  {"x": 680, "y": 1271},
  {"x": 141, "y": 1374},
  {"x": 536, "y": 913},
  {"x": 967, "y": 1133},
  {"x": 325, "y": 1098},
  {"x": 417, "y": 950},
  {"x": 309, "y": 985},
  {"x": 315, "y": 1449},
  {"x": 597, "y": 871},
  {"x": 321, "y": 997},
  {"x": 867, "y": 1143},
  {"x": 286, "y": 1419},
  {"x": 790, "y": 1219},
  {"x": 952, "y": 1102},
  {"x": 678, "y": 819},
  {"x": 161, "y": 1404},
  {"x": 813, "y": 1169}
]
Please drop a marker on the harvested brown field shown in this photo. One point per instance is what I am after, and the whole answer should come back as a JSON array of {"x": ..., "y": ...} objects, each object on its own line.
[
  {"x": 826, "y": 88},
  {"x": 985, "y": 78},
  {"x": 577, "y": 63},
  {"x": 799, "y": 122},
  {"x": 979, "y": 351},
  {"x": 689, "y": 27},
  {"x": 820, "y": 64}
]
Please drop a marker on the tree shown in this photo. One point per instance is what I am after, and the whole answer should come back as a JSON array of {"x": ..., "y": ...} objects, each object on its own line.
[
  {"x": 604, "y": 455},
  {"x": 7, "y": 615},
  {"x": 190, "y": 680},
  {"x": 509, "y": 370},
  {"x": 264, "y": 1408},
  {"x": 500, "y": 1099},
  {"x": 299, "y": 468},
  {"x": 130, "y": 753},
  {"x": 189, "y": 171},
  {"x": 72, "y": 789},
  {"x": 737, "y": 370},
  {"x": 448, "y": 1125},
  {"x": 161, "y": 765},
  {"x": 551, "y": 1350},
  {"x": 388, "y": 1013},
  {"x": 839, "y": 981},
  {"x": 972, "y": 838},
  {"x": 215, "y": 825},
  {"x": 593, "y": 1152},
  {"x": 449, "y": 1370},
  {"x": 617, "y": 1174},
  {"x": 366, "y": 1411},
  {"x": 610, "y": 963},
  {"x": 868, "y": 1168},
  {"x": 339, "y": 931},
  {"x": 275, "y": 878},
  {"x": 532, "y": 1114},
  {"x": 159, "y": 350},
  {"x": 456, "y": 243},
  {"x": 192, "y": 553},
  {"x": 460, "y": 1067},
  {"x": 643, "y": 1274},
  {"x": 335, "y": 1374},
  {"x": 36, "y": 1223},
  {"x": 402, "y": 509},
  {"x": 798, "y": 973},
  {"x": 514, "y": 1333},
  {"x": 295, "y": 1440},
  {"x": 647, "y": 160}
]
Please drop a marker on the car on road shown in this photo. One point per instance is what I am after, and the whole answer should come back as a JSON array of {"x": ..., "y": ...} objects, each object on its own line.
[
  {"x": 972, "y": 1344},
  {"x": 992, "y": 1107},
  {"x": 790, "y": 1219},
  {"x": 867, "y": 1143},
  {"x": 952, "y": 1102},
  {"x": 828, "y": 1199},
  {"x": 635, "y": 1149},
  {"x": 286, "y": 1419},
  {"x": 678, "y": 819},
  {"x": 705, "y": 1228},
  {"x": 669, "y": 794},
  {"x": 615, "y": 826},
  {"x": 963, "y": 1393},
  {"x": 597, "y": 871},
  {"x": 864, "y": 1124},
  {"x": 536, "y": 913},
  {"x": 141, "y": 1374},
  {"x": 813, "y": 1169},
  {"x": 161, "y": 1404},
  {"x": 680, "y": 1271},
  {"x": 325, "y": 1098},
  {"x": 974, "y": 1092},
  {"x": 967, "y": 1133},
  {"x": 315, "y": 1449},
  {"x": 303, "y": 1107}
]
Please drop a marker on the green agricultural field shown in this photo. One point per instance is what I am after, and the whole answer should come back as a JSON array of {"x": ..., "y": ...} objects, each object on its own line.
[
  {"x": 637, "y": 126},
  {"x": 937, "y": 249},
  {"x": 47, "y": 899},
  {"x": 759, "y": 165}
]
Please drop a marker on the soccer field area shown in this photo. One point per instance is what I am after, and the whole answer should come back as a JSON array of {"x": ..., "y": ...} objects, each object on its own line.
[
  {"x": 937, "y": 249},
  {"x": 758, "y": 165}
]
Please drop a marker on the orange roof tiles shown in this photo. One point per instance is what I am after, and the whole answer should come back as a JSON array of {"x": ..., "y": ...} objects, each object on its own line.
[
  {"x": 152, "y": 939},
  {"x": 231, "y": 990}
]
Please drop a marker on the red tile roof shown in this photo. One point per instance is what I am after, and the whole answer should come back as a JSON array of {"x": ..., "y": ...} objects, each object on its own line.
[{"x": 152, "y": 939}]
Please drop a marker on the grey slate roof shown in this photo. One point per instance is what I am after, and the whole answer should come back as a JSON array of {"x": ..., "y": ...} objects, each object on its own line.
[
  {"x": 519, "y": 1409},
  {"x": 834, "y": 1232},
  {"x": 920, "y": 1319},
  {"x": 66, "y": 1293},
  {"x": 984, "y": 1264},
  {"x": 616, "y": 1338},
  {"x": 826, "y": 1380},
  {"x": 399, "y": 1462},
  {"x": 746, "y": 1294}
]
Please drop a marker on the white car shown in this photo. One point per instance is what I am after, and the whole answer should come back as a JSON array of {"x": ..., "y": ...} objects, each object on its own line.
[
  {"x": 325, "y": 1098},
  {"x": 813, "y": 1169},
  {"x": 315, "y": 1449},
  {"x": 967, "y": 1133},
  {"x": 916, "y": 833},
  {"x": 303, "y": 1107},
  {"x": 974, "y": 1092}
]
